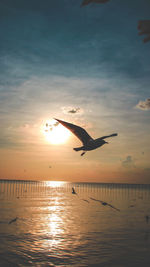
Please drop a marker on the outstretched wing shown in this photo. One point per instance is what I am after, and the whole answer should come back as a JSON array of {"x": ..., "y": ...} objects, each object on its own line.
[
  {"x": 112, "y": 207},
  {"x": 106, "y": 204},
  {"x": 96, "y": 200},
  {"x": 106, "y": 136},
  {"x": 77, "y": 131}
]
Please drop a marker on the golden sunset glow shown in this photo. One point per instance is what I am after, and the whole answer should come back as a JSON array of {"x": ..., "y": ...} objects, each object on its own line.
[
  {"x": 55, "y": 133},
  {"x": 55, "y": 75}
]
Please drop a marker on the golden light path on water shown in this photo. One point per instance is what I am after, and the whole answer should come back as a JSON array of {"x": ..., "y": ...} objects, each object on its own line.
[{"x": 53, "y": 219}]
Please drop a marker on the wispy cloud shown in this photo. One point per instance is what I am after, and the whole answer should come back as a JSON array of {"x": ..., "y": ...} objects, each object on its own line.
[
  {"x": 128, "y": 162},
  {"x": 144, "y": 105},
  {"x": 20, "y": 136},
  {"x": 40, "y": 99}
]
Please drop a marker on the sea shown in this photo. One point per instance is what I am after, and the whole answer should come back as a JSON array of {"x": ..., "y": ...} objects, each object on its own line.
[{"x": 56, "y": 223}]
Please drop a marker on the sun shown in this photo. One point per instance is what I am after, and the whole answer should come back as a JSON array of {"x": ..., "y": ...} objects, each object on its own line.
[{"x": 55, "y": 133}]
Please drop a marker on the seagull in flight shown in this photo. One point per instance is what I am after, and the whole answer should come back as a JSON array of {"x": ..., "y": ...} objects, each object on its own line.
[
  {"x": 104, "y": 203},
  {"x": 13, "y": 220},
  {"x": 73, "y": 191},
  {"x": 88, "y": 142},
  {"x": 85, "y": 200}
]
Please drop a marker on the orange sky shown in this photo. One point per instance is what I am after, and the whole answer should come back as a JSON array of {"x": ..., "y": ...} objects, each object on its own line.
[{"x": 37, "y": 158}]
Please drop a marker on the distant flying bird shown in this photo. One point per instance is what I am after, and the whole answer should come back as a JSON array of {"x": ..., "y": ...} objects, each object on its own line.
[
  {"x": 104, "y": 203},
  {"x": 13, "y": 220},
  {"x": 85, "y": 200},
  {"x": 131, "y": 206},
  {"x": 88, "y": 142},
  {"x": 144, "y": 28},
  {"x": 86, "y": 2}
]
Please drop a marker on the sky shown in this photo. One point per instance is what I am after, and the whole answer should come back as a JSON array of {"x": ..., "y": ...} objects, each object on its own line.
[{"x": 84, "y": 65}]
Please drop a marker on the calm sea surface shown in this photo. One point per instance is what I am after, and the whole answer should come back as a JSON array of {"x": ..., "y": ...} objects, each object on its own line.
[{"x": 53, "y": 227}]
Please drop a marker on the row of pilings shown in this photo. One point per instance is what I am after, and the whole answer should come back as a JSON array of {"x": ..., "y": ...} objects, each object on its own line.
[{"x": 24, "y": 188}]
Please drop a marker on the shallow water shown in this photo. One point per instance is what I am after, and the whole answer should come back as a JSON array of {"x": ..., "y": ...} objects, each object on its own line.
[{"x": 57, "y": 228}]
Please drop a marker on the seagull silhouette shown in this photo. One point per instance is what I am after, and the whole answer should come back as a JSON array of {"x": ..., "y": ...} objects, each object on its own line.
[
  {"x": 13, "y": 220},
  {"x": 88, "y": 142},
  {"x": 73, "y": 191},
  {"x": 85, "y": 200},
  {"x": 86, "y": 2},
  {"x": 104, "y": 203}
]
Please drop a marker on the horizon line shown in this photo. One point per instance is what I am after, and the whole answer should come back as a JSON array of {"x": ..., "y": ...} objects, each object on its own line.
[{"x": 71, "y": 182}]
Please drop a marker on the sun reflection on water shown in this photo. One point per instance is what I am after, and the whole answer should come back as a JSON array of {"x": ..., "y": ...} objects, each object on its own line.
[
  {"x": 55, "y": 183},
  {"x": 54, "y": 220},
  {"x": 55, "y": 225}
]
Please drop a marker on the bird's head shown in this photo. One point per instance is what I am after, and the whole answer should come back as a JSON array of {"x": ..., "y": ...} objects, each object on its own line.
[{"x": 101, "y": 141}]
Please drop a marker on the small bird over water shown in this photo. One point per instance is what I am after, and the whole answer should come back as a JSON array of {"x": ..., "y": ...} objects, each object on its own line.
[
  {"x": 88, "y": 142},
  {"x": 73, "y": 191},
  {"x": 105, "y": 203},
  {"x": 13, "y": 220}
]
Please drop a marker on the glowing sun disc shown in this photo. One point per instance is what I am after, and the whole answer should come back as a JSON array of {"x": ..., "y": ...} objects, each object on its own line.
[{"x": 55, "y": 134}]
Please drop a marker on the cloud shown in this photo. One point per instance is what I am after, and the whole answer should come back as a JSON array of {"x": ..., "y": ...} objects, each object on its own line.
[
  {"x": 144, "y": 105},
  {"x": 42, "y": 98},
  {"x": 76, "y": 110},
  {"x": 19, "y": 136},
  {"x": 86, "y": 2},
  {"x": 128, "y": 162},
  {"x": 72, "y": 110},
  {"x": 144, "y": 28}
]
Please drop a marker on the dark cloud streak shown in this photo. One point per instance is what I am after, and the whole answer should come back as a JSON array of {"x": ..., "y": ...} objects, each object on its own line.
[
  {"x": 86, "y": 2},
  {"x": 73, "y": 111},
  {"x": 144, "y": 28}
]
